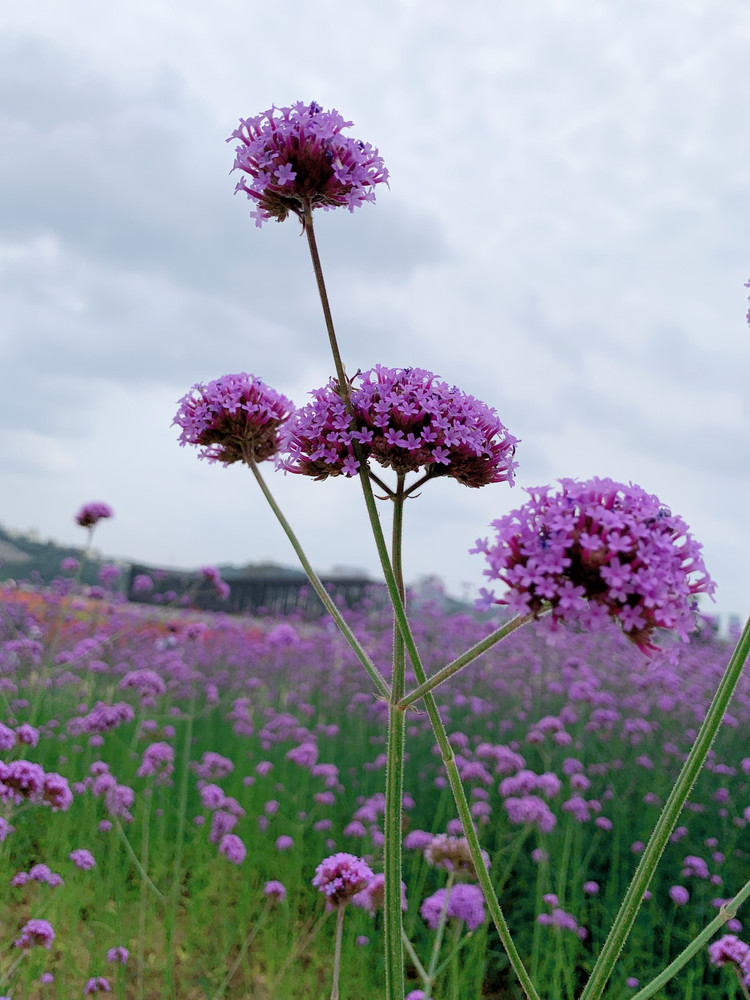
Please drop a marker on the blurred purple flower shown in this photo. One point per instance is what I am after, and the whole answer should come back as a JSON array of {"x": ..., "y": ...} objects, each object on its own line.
[
  {"x": 97, "y": 984},
  {"x": 36, "y": 933},
  {"x": 296, "y": 157},
  {"x": 597, "y": 550},
  {"x": 83, "y": 859},
  {"x": 91, "y": 513},
  {"x": 232, "y": 848},
  {"x": 118, "y": 954},
  {"x": 679, "y": 895},
  {"x": 465, "y": 902},
  {"x": 275, "y": 890},
  {"x": 407, "y": 420},
  {"x": 158, "y": 759},
  {"x": 452, "y": 854},
  {"x": 372, "y": 897},
  {"x": 235, "y": 418}
]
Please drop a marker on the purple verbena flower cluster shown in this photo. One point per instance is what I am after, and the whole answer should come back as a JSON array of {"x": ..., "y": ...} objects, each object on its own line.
[
  {"x": 342, "y": 876},
  {"x": 297, "y": 158},
  {"x": 407, "y": 420},
  {"x": 36, "y": 933},
  {"x": 22, "y": 780},
  {"x": 596, "y": 550},
  {"x": 729, "y": 949},
  {"x": 91, "y": 513},
  {"x": 235, "y": 418}
]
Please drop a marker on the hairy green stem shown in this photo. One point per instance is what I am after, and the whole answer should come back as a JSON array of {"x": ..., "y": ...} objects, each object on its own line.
[
  {"x": 394, "y": 782},
  {"x": 317, "y": 585},
  {"x": 666, "y": 822},
  {"x": 318, "y": 269}
]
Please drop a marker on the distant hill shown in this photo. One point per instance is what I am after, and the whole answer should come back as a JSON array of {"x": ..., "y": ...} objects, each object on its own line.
[{"x": 23, "y": 556}]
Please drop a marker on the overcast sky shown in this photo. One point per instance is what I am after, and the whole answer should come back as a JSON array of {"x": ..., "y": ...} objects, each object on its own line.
[{"x": 565, "y": 237}]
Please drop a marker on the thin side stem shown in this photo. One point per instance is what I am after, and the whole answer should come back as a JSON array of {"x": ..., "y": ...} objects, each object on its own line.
[
  {"x": 465, "y": 658},
  {"x": 666, "y": 822},
  {"x": 137, "y": 862},
  {"x": 440, "y": 931},
  {"x": 318, "y": 587},
  {"x": 176, "y": 892},
  {"x": 409, "y": 949},
  {"x": 242, "y": 952}
]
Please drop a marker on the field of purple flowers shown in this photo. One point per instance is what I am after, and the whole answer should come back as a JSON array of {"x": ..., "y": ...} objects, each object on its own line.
[{"x": 170, "y": 782}]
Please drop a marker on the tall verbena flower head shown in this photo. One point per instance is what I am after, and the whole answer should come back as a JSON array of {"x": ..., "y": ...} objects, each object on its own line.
[
  {"x": 294, "y": 158},
  {"x": 342, "y": 876},
  {"x": 235, "y": 418},
  {"x": 407, "y": 420},
  {"x": 595, "y": 550},
  {"x": 91, "y": 513}
]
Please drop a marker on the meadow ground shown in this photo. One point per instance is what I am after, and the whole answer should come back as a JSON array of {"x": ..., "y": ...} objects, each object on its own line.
[{"x": 177, "y": 763}]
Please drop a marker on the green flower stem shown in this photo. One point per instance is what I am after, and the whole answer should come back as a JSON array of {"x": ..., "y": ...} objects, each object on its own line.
[
  {"x": 302, "y": 944},
  {"x": 137, "y": 861},
  {"x": 243, "y": 951},
  {"x": 318, "y": 587},
  {"x": 726, "y": 912},
  {"x": 438, "y": 942},
  {"x": 176, "y": 891},
  {"x": 318, "y": 269},
  {"x": 411, "y": 649},
  {"x": 337, "y": 951},
  {"x": 414, "y": 958},
  {"x": 448, "y": 758},
  {"x": 666, "y": 822},
  {"x": 344, "y": 389},
  {"x": 394, "y": 782},
  {"x": 467, "y": 657},
  {"x": 470, "y": 833}
]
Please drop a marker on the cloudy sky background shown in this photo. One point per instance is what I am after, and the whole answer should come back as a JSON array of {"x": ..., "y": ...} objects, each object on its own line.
[{"x": 565, "y": 237}]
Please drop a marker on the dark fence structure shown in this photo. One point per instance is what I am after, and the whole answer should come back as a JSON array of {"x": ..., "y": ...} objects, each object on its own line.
[{"x": 262, "y": 592}]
